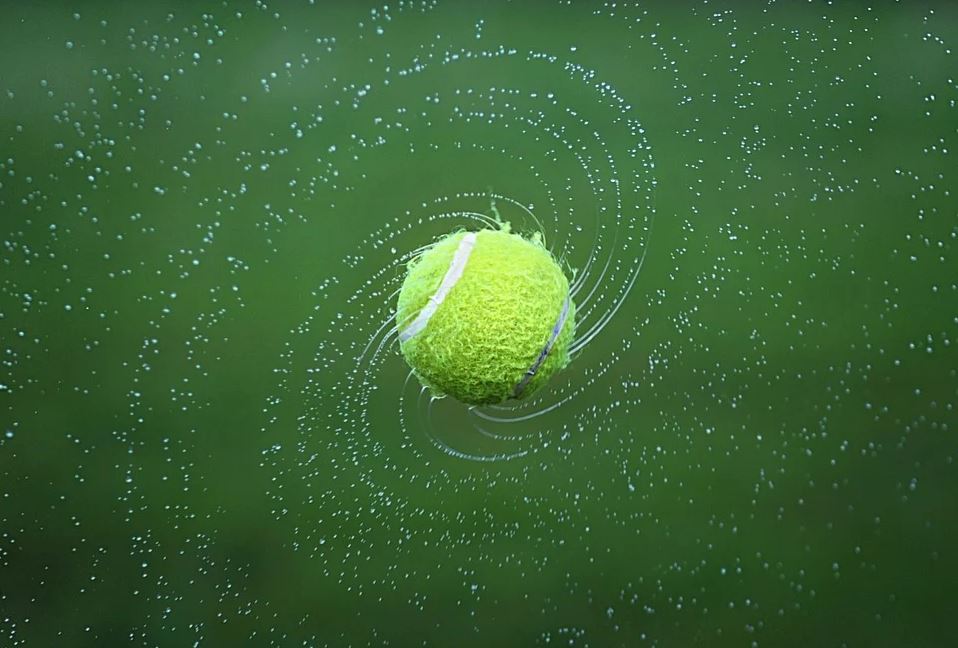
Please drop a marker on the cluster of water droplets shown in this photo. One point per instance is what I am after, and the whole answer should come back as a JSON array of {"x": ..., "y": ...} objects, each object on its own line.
[
  {"x": 207, "y": 424},
  {"x": 587, "y": 185}
]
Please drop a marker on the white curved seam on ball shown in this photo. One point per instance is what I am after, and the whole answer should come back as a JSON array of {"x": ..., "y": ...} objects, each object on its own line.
[
  {"x": 534, "y": 369},
  {"x": 452, "y": 276}
]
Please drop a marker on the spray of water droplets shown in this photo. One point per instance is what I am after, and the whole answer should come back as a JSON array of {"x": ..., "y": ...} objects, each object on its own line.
[
  {"x": 586, "y": 183},
  {"x": 209, "y": 434}
]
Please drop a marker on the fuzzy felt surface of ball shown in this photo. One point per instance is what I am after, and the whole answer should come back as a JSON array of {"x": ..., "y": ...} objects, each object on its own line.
[{"x": 485, "y": 316}]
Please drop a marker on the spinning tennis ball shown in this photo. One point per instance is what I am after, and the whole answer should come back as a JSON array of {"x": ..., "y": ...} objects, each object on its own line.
[{"x": 485, "y": 316}]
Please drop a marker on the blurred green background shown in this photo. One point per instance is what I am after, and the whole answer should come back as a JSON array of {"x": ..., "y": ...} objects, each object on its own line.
[{"x": 206, "y": 208}]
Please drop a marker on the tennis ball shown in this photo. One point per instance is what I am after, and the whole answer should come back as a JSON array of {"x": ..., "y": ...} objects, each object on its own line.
[{"x": 485, "y": 316}]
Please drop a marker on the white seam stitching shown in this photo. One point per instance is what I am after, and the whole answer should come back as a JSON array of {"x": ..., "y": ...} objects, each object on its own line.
[{"x": 452, "y": 276}]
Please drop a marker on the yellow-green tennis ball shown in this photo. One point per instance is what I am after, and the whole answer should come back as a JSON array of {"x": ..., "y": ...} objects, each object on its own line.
[{"x": 485, "y": 316}]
